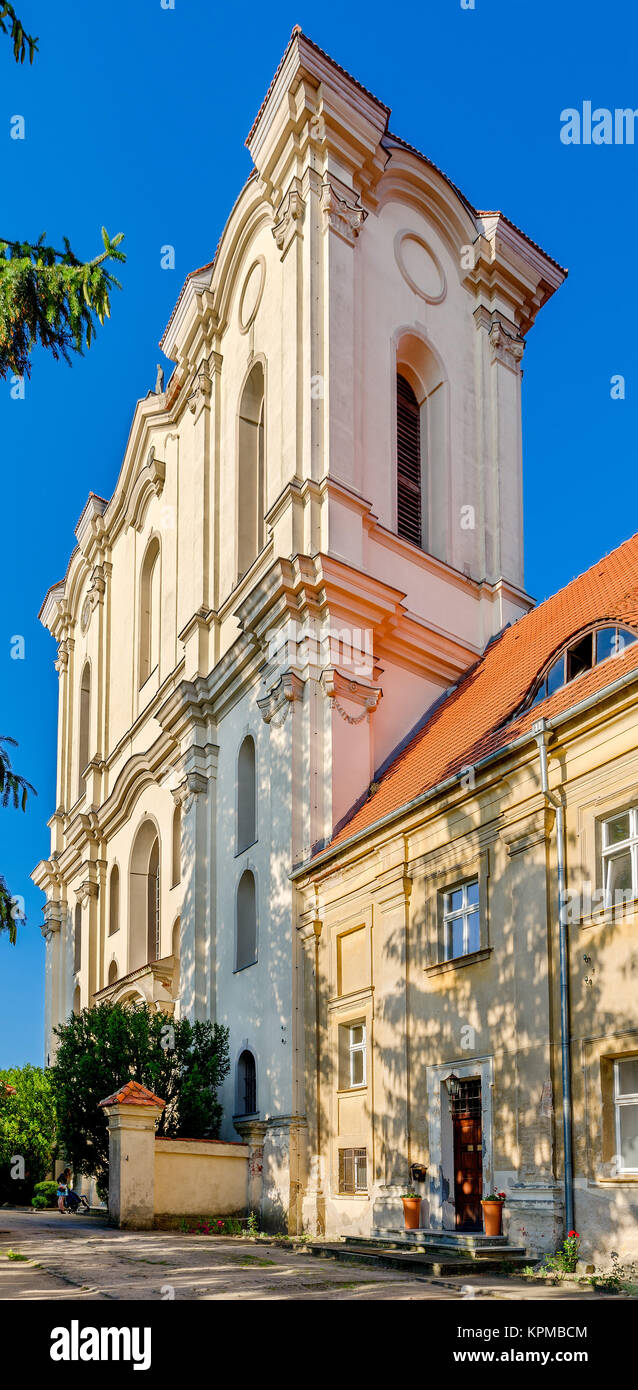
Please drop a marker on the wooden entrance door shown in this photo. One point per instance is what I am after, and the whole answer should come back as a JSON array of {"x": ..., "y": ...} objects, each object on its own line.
[{"x": 468, "y": 1160}]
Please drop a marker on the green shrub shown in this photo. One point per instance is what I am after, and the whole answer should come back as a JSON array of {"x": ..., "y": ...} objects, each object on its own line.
[{"x": 46, "y": 1194}]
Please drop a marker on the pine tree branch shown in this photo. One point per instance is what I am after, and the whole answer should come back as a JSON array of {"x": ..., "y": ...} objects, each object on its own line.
[
  {"x": 11, "y": 25},
  {"x": 52, "y": 298}
]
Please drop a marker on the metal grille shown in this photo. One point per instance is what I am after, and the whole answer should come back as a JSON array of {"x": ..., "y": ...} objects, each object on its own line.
[
  {"x": 408, "y": 463},
  {"x": 468, "y": 1101},
  {"x": 353, "y": 1170}
]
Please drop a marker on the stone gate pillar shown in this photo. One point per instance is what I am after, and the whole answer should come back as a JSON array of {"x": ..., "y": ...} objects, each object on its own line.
[
  {"x": 132, "y": 1114},
  {"x": 252, "y": 1133}
]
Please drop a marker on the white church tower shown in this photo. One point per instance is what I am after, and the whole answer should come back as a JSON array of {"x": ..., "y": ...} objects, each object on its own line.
[{"x": 316, "y": 529}]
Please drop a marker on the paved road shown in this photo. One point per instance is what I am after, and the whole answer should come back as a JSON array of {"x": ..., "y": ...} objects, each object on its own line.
[{"x": 69, "y": 1257}]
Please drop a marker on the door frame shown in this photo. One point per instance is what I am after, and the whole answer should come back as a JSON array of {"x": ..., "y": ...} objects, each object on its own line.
[{"x": 441, "y": 1145}]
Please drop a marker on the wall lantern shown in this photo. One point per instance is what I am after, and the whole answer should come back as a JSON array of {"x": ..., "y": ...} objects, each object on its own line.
[{"x": 454, "y": 1086}]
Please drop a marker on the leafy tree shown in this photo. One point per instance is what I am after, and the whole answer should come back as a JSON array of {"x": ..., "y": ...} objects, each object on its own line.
[
  {"x": 27, "y": 1129},
  {"x": 14, "y": 789},
  {"x": 47, "y": 296},
  {"x": 103, "y": 1047}
]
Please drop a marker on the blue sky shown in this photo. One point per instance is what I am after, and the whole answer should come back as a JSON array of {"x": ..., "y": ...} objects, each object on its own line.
[{"x": 136, "y": 117}]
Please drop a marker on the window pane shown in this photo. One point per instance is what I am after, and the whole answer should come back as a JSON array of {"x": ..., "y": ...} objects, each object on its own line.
[
  {"x": 556, "y": 677},
  {"x": 474, "y": 933},
  {"x": 473, "y": 893},
  {"x": 629, "y": 1135},
  {"x": 619, "y": 873},
  {"x": 455, "y": 900},
  {"x": 457, "y": 936},
  {"x": 628, "y": 1077},
  {"x": 606, "y": 643},
  {"x": 579, "y": 657},
  {"x": 356, "y": 1068},
  {"x": 617, "y": 830},
  {"x": 360, "y": 1170},
  {"x": 356, "y": 1034}
]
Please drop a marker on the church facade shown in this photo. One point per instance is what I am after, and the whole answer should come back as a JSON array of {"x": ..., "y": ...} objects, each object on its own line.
[{"x": 316, "y": 533}]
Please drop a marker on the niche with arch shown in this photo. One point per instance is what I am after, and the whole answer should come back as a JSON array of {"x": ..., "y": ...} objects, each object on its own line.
[
  {"x": 144, "y": 897},
  {"x": 251, "y": 471},
  {"x": 246, "y": 795},
  {"x": 149, "y": 614},
  {"x": 84, "y": 726},
  {"x": 114, "y": 901},
  {"x": 246, "y": 928}
]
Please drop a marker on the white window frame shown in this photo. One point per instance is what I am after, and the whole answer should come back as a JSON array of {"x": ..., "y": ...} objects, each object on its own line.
[
  {"x": 621, "y": 1099},
  {"x": 465, "y": 911},
  {"x": 611, "y": 852},
  {"x": 354, "y": 1048}
]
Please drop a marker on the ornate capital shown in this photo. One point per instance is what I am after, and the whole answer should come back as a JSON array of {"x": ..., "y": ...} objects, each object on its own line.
[
  {"x": 335, "y": 684},
  {"x": 87, "y": 890},
  {"x": 201, "y": 393},
  {"x": 340, "y": 216},
  {"x": 290, "y": 215},
  {"x": 184, "y": 795},
  {"x": 289, "y": 688},
  {"x": 62, "y": 659},
  {"x": 506, "y": 344},
  {"x": 53, "y": 913}
]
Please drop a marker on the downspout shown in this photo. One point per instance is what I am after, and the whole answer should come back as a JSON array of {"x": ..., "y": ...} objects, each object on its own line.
[{"x": 540, "y": 731}]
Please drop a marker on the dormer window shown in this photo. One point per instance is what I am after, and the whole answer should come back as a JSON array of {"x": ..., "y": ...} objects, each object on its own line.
[{"x": 581, "y": 655}]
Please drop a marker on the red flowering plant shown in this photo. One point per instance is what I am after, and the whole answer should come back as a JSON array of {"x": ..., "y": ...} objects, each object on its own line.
[
  {"x": 495, "y": 1197},
  {"x": 565, "y": 1260}
]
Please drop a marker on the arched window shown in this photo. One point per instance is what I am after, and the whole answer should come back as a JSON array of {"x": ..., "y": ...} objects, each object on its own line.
[
  {"x": 246, "y": 800},
  {"x": 149, "y": 611},
  {"x": 423, "y": 474},
  {"x": 76, "y": 1000},
  {"x": 409, "y": 501},
  {"x": 114, "y": 901},
  {"x": 580, "y": 655},
  {"x": 246, "y": 921},
  {"x": 246, "y": 1085},
  {"x": 176, "y": 873},
  {"x": 175, "y": 952},
  {"x": 113, "y": 972},
  {"x": 144, "y": 897},
  {"x": 154, "y": 951},
  {"x": 251, "y": 471},
  {"x": 77, "y": 937},
  {"x": 84, "y": 726}
]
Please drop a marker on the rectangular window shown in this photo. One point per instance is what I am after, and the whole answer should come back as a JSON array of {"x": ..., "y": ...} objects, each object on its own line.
[
  {"x": 461, "y": 920},
  {"x": 357, "y": 1054},
  {"x": 353, "y": 1170},
  {"x": 626, "y": 1107},
  {"x": 620, "y": 856}
]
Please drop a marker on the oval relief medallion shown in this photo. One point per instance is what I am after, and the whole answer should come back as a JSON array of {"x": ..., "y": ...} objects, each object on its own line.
[
  {"x": 251, "y": 293},
  {"x": 420, "y": 267}
]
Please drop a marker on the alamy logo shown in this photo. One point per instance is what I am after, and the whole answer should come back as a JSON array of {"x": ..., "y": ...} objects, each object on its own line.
[
  {"x": 599, "y": 126},
  {"x": 77, "y": 1343}
]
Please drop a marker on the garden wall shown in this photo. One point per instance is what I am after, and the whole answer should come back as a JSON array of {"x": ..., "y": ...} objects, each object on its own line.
[{"x": 196, "y": 1177}]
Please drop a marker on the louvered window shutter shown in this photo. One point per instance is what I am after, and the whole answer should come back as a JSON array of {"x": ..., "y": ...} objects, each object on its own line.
[{"x": 408, "y": 463}]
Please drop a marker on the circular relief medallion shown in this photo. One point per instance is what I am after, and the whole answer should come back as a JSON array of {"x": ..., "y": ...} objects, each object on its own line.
[
  {"x": 420, "y": 267},
  {"x": 85, "y": 615},
  {"x": 251, "y": 293}
]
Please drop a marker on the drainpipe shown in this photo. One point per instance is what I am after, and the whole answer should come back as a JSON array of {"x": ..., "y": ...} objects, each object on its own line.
[{"x": 540, "y": 732}]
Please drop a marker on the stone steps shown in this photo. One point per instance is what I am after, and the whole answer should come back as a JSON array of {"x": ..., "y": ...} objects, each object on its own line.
[{"x": 431, "y": 1261}]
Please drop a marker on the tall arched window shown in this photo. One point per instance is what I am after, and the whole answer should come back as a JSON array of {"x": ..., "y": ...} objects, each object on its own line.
[
  {"x": 409, "y": 502},
  {"x": 176, "y": 872},
  {"x": 246, "y": 921},
  {"x": 246, "y": 797},
  {"x": 149, "y": 624},
  {"x": 76, "y": 1000},
  {"x": 144, "y": 897},
  {"x": 246, "y": 1084},
  {"x": 251, "y": 471},
  {"x": 113, "y": 972},
  {"x": 84, "y": 726},
  {"x": 114, "y": 901},
  {"x": 154, "y": 951},
  {"x": 175, "y": 952},
  {"x": 77, "y": 937}
]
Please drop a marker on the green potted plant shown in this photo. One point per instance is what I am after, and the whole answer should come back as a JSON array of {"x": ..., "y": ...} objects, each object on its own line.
[
  {"x": 411, "y": 1210},
  {"x": 493, "y": 1213}
]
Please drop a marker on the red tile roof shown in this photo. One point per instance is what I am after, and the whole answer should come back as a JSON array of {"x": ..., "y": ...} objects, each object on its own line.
[
  {"x": 480, "y": 715},
  {"x": 132, "y": 1093}
]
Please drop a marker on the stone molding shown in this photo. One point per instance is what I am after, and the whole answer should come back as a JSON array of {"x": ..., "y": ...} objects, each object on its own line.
[
  {"x": 340, "y": 216},
  {"x": 290, "y": 216},
  {"x": 149, "y": 483}
]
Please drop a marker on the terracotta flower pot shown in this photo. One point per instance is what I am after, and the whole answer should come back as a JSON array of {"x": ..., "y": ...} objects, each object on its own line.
[
  {"x": 411, "y": 1212},
  {"x": 492, "y": 1217}
]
